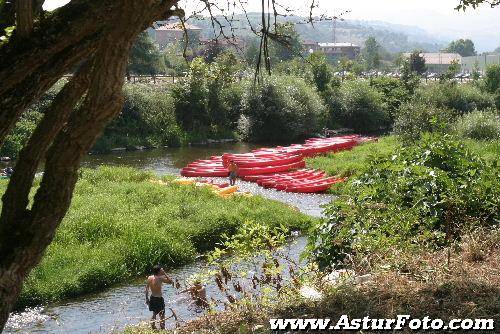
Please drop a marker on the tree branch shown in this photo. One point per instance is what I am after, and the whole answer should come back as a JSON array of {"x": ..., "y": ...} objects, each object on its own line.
[
  {"x": 20, "y": 96},
  {"x": 15, "y": 199}
]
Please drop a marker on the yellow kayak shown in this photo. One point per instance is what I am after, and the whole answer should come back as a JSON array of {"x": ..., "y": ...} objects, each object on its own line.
[
  {"x": 183, "y": 181},
  {"x": 227, "y": 190}
]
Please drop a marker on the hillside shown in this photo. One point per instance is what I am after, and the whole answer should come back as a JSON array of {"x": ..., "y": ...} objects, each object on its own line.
[{"x": 395, "y": 38}]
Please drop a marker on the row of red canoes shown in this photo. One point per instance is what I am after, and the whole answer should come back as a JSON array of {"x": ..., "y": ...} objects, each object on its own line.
[{"x": 280, "y": 167}]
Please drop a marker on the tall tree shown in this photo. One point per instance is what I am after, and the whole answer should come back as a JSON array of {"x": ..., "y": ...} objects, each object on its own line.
[
  {"x": 286, "y": 43},
  {"x": 96, "y": 38},
  {"x": 145, "y": 58},
  {"x": 464, "y": 47},
  {"x": 371, "y": 53},
  {"x": 416, "y": 63}
]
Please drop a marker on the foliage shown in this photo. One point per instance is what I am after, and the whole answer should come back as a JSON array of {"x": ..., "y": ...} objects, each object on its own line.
[
  {"x": 362, "y": 107},
  {"x": 371, "y": 53},
  {"x": 479, "y": 125},
  {"x": 287, "y": 44},
  {"x": 420, "y": 195},
  {"x": 464, "y": 4},
  {"x": 464, "y": 47},
  {"x": 416, "y": 63},
  {"x": 394, "y": 92},
  {"x": 120, "y": 224},
  {"x": 450, "y": 72},
  {"x": 23, "y": 129},
  {"x": 461, "y": 98},
  {"x": 321, "y": 71},
  {"x": 174, "y": 59},
  {"x": 415, "y": 118},
  {"x": 147, "y": 119},
  {"x": 282, "y": 108},
  {"x": 492, "y": 78},
  {"x": 145, "y": 58},
  {"x": 208, "y": 101}
]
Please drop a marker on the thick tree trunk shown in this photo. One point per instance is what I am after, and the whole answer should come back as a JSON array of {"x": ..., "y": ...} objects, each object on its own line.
[
  {"x": 24, "y": 17},
  {"x": 26, "y": 233}
]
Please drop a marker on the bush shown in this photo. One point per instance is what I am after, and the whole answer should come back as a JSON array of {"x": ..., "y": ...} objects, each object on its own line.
[
  {"x": 415, "y": 118},
  {"x": 362, "y": 107},
  {"x": 147, "y": 119},
  {"x": 282, "y": 108},
  {"x": 208, "y": 102},
  {"x": 419, "y": 196},
  {"x": 492, "y": 78},
  {"x": 462, "y": 98},
  {"x": 120, "y": 224},
  {"x": 394, "y": 92},
  {"x": 25, "y": 126},
  {"x": 479, "y": 125}
]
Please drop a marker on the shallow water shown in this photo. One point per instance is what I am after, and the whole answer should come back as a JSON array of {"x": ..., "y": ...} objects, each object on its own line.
[
  {"x": 124, "y": 305},
  {"x": 120, "y": 306}
]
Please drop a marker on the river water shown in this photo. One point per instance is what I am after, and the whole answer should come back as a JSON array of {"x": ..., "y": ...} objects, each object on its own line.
[{"x": 123, "y": 305}]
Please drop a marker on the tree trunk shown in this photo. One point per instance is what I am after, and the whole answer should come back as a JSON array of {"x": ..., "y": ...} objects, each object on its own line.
[
  {"x": 24, "y": 17},
  {"x": 26, "y": 233}
]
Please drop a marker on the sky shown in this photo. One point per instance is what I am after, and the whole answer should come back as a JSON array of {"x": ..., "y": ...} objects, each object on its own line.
[{"x": 438, "y": 17}]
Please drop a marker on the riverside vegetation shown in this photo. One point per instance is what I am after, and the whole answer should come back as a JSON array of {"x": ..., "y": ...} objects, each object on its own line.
[
  {"x": 219, "y": 99},
  {"x": 120, "y": 224}
]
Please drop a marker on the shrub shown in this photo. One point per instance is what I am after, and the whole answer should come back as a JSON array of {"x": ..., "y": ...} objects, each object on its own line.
[
  {"x": 414, "y": 118},
  {"x": 394, "y": 92},
  {"x": 282, "y": 108},
  {"x": 147, "y": 119},
  {"x": 462, "y": 98},
  {"x": 479, "y": 125},
  {"x": 25, "y": 126},
  {"x": 419, "y": 196},
  {"x": 492, "y": 78},
  {"x": 362, "y": 107}
]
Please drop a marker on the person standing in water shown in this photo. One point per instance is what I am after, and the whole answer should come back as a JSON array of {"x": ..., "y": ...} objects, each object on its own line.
[
  {"x": 233, "y": 172},
  {"x": 156, "y": 302},
  {"x": 198, "y": 294}
]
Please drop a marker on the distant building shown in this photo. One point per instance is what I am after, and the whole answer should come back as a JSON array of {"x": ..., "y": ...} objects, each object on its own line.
[
  {"x": 438, "y": 62},
  {"x": 334, "y": 50},
  {"x": 480, "y": 62},
  {"x": 167, "y": 32}
]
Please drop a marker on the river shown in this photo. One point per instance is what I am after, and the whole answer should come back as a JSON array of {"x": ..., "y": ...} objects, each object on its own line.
[{"x": 123, "y": 305}]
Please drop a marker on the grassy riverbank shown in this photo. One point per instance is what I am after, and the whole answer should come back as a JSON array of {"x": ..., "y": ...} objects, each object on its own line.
[{"x": 120, "y": 224}]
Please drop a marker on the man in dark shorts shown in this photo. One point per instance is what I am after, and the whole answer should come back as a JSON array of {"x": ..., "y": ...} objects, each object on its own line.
[{"x": 156, "y": 302}]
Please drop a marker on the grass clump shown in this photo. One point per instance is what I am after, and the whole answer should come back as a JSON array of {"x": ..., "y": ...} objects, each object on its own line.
[
  {"x": 348, "y": 163},
  {"x": 120, "y": 224}
]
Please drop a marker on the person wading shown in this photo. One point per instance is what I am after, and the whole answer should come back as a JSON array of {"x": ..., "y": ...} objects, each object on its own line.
[{"x": 156, "y": 302}]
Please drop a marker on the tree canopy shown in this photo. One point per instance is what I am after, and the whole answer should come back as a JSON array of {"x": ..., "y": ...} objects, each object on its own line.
[
  {"x": 464, "y": 47},
  {"x": 145, "y": 58},
  {"x": 371, "y": 53}
]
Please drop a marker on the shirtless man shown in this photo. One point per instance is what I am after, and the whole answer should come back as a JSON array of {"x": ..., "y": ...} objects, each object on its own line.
[
  {"x": 198, "y": 293},
  {"x": 156, "y": 303},
  {"x": 233, "y": 172}
]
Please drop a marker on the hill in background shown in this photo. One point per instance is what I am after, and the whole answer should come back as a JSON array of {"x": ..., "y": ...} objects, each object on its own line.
[{"x": 393, "y": 37}]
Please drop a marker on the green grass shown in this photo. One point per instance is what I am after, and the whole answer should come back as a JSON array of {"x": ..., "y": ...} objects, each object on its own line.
[
  {"x": 347, "y": 163},
  {"x": 120, "y": 224}
]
